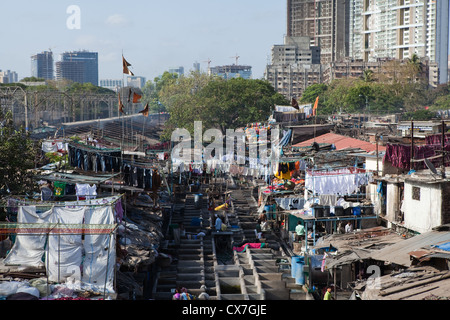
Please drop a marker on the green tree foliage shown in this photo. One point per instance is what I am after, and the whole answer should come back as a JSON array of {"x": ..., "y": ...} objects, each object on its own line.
[
  {"x": 218, "y": 103},
  {"x": 312, "y": 92},
  {"x": 76, "y": 87},
  {"x": 398, "y": 87},
  {"x": 152, "y": 89},
  {"x": 17, "y": 154},
  {"x": 419, "y": 115}
]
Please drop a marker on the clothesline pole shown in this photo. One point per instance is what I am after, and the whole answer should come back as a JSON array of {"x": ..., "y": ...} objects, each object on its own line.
[{"x": 412, "y": 146}]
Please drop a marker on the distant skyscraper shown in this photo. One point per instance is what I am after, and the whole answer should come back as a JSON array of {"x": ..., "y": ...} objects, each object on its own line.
[
  {"x": 42, "y": 65},
  {"x": 136, "y": 81},
  {"x": 112, "y": 84},
  {"x": 196, "y": 66},
  {"x": 177, "y": 70},
  {"x": 8, "y": 76},
  {"x": 78, "y": 66},
  {"x": 325, "y": 22}
]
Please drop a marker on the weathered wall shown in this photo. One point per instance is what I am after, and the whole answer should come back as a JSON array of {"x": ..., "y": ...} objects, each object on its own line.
[{"x": 424, "y": 214}]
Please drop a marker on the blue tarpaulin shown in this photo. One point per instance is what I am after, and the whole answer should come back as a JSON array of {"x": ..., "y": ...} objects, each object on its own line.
[{"x": 444, "y": 246}]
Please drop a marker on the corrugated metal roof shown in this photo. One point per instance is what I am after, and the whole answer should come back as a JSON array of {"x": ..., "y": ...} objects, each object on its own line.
[
  {"x": 341, "y": 142},
  {"x": 399, "y": 253}
]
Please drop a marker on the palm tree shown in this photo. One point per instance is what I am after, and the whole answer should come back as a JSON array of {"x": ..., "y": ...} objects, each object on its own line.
[{"x": 367, "y": 75}]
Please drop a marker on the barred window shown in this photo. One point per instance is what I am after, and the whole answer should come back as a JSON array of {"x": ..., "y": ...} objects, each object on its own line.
[{"x": 416, "y": 193}]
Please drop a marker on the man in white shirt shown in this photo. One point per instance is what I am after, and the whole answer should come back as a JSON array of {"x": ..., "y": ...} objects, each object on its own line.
[{"x": 349, "y": 227}]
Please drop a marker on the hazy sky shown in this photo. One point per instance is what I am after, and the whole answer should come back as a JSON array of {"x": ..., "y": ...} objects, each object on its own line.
[{"x": 154, "y": 35}]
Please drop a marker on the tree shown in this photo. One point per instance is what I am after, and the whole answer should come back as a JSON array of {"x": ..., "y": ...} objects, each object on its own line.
[
  {"x": 17, "y": 154},
  {"x": 230, "y": 104},
  {"x": 312, "y": 92},
  {"x": 151, "y": 90},
  {"x": 218, "y": 103},
  {"x": 367, "y": 75}
]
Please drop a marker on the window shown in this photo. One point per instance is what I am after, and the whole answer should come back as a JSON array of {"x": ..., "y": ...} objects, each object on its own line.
[{"x": 416, "y": 193}]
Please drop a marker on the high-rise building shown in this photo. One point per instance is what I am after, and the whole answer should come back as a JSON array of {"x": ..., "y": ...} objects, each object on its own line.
[
  {"x": 399, "y": 29},
  {"x": 196, "y": 66},
  {"x": 325, "y": 22},
  {"x": 78, "y": 66},
  {"x": 295, "y": 66},
  {"x": 136, "y": 81},
  {"x": 42, "y": 65},
  {"x": 232, "y": 71},
  {"x": 112, "y": 84},
  {"x": 177, "y": 70},
  {"x": 8, "y": 76}
]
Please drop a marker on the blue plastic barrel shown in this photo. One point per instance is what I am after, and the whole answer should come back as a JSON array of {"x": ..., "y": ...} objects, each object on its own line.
[
  {"x": 296, "y": 261},
  {"x": 300, "y": 276},
  {"x": 356, "y": 211}
]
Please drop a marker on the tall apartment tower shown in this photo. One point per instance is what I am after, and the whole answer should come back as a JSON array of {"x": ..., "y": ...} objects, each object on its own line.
[
  {"x": 78, "y": 66},
  {"x": 400, "y": 28},
  {"x": 325, "y": 22},
  {"x": 42, "y": 65}
]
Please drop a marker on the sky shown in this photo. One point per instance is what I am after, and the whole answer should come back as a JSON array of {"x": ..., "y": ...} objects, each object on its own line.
[{"x": 153, "y": 35}]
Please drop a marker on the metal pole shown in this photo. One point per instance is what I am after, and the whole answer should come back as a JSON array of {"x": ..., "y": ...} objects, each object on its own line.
[
  {"x": 26, "y": 112},
  {"x": 376, "y": 140},
  {"x": 443, "y": 148},
  {"x": 412, "y": 145}
]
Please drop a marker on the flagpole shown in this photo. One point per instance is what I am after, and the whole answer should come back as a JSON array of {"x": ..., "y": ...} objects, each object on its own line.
[{"x": 122, "y": 119}]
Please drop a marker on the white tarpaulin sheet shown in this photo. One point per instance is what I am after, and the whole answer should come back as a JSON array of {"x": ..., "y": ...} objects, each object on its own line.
[
  {"x": 28, "y": 250},
  {"x": 64, "y": 255},
  {"x": 77, "y": 240},
  {"x": 100, "y": 251}
]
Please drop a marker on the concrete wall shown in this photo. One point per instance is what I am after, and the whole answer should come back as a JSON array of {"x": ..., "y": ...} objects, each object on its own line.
[
  {"x": 424, "y": 214},
  {"x": 392, "y": 201}
]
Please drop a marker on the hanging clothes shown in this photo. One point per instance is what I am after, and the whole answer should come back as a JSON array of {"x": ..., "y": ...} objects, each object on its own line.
[{"x": 86, "y": 191}]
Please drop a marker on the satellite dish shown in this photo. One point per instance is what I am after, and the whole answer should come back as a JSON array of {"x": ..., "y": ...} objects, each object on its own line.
[{"x": 430, "y": 166}]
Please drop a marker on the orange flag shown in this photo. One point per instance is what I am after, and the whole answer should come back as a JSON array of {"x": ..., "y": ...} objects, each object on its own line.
[
  {"x": 120, "y": 105},
  {"x": 145, "y": 111},
  {"x": 136, "y": 97},
  {"x": 315, "y": 106},
  {"x": 126, "y": 64}
]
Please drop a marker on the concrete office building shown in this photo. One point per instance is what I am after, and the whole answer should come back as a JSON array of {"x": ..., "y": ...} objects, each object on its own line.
[
  {"x": 78, "y": 66},
  {"x": 325, "y": 22},
  {"x": 42, "y": 65},
  {"x": 295, "y": 66}
]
